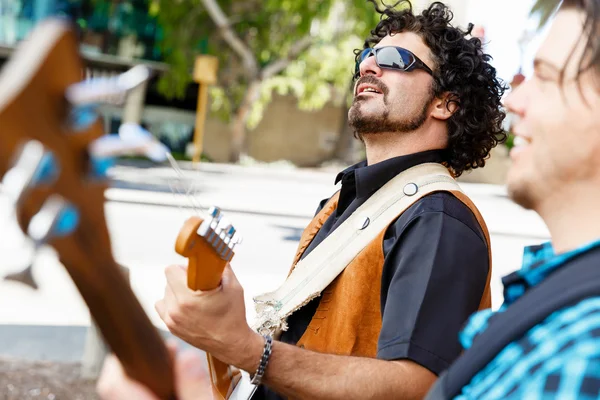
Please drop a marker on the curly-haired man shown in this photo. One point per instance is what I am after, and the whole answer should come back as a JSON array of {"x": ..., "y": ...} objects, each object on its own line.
[{"x": 385, "y": 323}]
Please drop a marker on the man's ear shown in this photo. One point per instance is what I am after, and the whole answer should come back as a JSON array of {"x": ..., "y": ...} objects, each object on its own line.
[{"x": 444, "y": 106}]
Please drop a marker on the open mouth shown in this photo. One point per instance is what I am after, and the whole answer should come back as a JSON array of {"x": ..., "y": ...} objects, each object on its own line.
[
  {"x": 521, "y": 143},
  {"x": 368, "y": 89}
]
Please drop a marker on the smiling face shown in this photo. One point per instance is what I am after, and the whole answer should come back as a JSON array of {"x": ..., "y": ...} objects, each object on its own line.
[
  {"x": 387, "y": 100},
  {"x": 558, "y": 129}
]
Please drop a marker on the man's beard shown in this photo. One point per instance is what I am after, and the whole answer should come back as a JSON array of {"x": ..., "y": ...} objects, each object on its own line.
[{"x": 381, "y": 123}]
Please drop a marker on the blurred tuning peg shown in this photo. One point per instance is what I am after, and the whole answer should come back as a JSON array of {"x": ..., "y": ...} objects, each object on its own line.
[
  {"x": 33, "y": 165},
  {"x": 112, "y": 90},
  {"x": 86, "y": 96},
  {"x": 56, "y": 218},
  {"x": 132, "y": 139}
]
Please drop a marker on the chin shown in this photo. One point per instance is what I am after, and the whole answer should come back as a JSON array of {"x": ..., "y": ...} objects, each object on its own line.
[{"x": 521, "y": 191}]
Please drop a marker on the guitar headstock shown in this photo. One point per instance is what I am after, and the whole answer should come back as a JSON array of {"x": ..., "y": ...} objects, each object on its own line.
[
  {"x": 208, "y": 244},
  {"x": 56, "y": 182}
]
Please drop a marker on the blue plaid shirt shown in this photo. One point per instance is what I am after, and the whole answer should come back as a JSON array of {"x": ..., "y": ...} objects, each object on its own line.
[{"x": 557, "y": 359}]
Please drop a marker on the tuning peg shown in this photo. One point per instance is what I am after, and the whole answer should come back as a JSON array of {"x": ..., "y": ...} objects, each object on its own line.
[
  {"x": 132, "y": 139},
  {"x": 214, "y": 212},
  {"x": 81, "y": 117},
  {"x": 216, "y": 240},
  {"x": 56, "y": 218},
  {"x": 235, "y": 240},
  {"x": 33, "y": 165},
  {"x": 112, "y": 90},
  {"x": 228, "y": 233},
  {"x": 224, "y": 236},
  {"x": 101, "y": 165},
  {"x": 206, "y": 229}
]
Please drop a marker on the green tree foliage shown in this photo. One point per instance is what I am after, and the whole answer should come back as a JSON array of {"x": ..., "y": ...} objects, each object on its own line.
[
  {"x": 298, "y": 47},
  {"x": 544, "y": 9}
]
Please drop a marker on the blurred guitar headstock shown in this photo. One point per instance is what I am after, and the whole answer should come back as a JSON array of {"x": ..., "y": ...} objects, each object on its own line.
[{"x": 52, "y": 173}]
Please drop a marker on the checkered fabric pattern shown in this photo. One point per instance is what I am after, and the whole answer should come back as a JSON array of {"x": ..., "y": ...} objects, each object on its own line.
[{"x": 557, "y": 359}]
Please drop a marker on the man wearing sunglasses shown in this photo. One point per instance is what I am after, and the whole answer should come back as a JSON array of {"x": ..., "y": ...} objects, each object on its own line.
[{"x": 425, "y": 95}]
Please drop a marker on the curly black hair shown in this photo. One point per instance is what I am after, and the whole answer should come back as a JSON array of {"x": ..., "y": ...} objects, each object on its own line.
[{"x": 461, "y": 69}]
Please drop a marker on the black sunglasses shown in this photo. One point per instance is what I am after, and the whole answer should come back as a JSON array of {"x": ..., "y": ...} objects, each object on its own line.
[{"x": 392, "y": 57}]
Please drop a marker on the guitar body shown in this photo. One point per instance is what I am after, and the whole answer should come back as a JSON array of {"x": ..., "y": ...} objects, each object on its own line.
[
  {"x": 34, "y": 111},
  {"x": 209, "y": 248}
]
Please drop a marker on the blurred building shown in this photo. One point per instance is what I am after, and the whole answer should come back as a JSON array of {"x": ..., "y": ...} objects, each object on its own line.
[{"x": 116, "y": 34}]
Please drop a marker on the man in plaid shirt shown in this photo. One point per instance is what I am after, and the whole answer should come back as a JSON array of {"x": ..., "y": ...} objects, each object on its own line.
[{"x": 556, "y": 172}]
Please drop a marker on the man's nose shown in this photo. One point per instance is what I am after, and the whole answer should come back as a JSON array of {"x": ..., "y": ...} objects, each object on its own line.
[{"x": 369, "y": 67}]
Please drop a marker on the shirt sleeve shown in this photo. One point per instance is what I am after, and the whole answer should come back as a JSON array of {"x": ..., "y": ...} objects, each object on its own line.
[{"x": 433, "y": 278}]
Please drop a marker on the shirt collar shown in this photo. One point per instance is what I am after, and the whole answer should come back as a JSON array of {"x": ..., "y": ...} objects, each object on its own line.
[
  {"x": 370, "y": 178},
  {"x": 538, "y": 263}
]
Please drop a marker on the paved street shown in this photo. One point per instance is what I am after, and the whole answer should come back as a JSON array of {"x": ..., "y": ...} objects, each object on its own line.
[{"x": 269, "y": 207}]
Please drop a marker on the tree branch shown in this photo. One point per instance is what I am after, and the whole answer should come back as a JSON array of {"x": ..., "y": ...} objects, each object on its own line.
[
  {"x": 295, "y": 51},
  {"x": 220, "y": 19}
]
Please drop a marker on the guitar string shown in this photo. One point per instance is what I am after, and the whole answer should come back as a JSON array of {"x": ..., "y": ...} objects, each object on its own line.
[{"x": 177, "y": 186}]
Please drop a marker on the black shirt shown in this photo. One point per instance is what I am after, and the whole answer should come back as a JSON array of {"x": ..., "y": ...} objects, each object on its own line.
[{"x": 434, "y": 273}]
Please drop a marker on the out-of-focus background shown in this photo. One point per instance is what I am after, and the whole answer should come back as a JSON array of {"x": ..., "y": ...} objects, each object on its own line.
[{"x": 274, "y": 137}]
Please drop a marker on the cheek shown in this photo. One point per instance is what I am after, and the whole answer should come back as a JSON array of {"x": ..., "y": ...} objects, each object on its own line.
[
  {"x": 407, "y": 99},
  {"x": 565, "y": 147}
]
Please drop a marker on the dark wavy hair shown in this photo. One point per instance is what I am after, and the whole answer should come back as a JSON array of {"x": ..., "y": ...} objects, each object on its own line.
[
  {"x": 461, "y": 69},
  {"x": 591, "y": 35}
]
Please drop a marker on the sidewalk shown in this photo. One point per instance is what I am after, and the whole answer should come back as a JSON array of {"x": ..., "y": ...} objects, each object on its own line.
[
  {"x": 269, "y": 206},
  {"x": 284, "y": 192}
]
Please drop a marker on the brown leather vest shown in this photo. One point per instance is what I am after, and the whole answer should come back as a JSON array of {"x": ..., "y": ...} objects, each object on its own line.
[{"x": 348, "y": 319}]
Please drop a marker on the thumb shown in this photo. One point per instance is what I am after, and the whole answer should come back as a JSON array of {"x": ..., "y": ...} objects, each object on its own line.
[
  {"x": 229, "y": 279},
  {"x": 191, "y": 378}
]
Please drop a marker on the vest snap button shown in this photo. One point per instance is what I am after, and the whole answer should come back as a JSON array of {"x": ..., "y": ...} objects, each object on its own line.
[
  {"x": 411, "y": 189},
  {"x": 362, "y": 223}
]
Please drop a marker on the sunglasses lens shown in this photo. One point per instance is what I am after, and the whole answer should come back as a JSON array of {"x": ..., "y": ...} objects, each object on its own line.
[
  {"x": 391, "y": 57},
  {"x": 366, "y": 53}
]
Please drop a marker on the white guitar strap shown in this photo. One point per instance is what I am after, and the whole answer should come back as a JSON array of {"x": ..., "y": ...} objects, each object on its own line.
[{"x": 319, "y": 268}]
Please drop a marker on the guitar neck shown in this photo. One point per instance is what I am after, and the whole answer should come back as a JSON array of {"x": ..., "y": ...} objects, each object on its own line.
[
  {"x": 115, "y": 309},
  {"x": 208, "y": 253}
]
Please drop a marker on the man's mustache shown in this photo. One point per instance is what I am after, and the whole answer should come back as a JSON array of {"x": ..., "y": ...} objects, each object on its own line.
[{"x": 372, "y": 80}]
